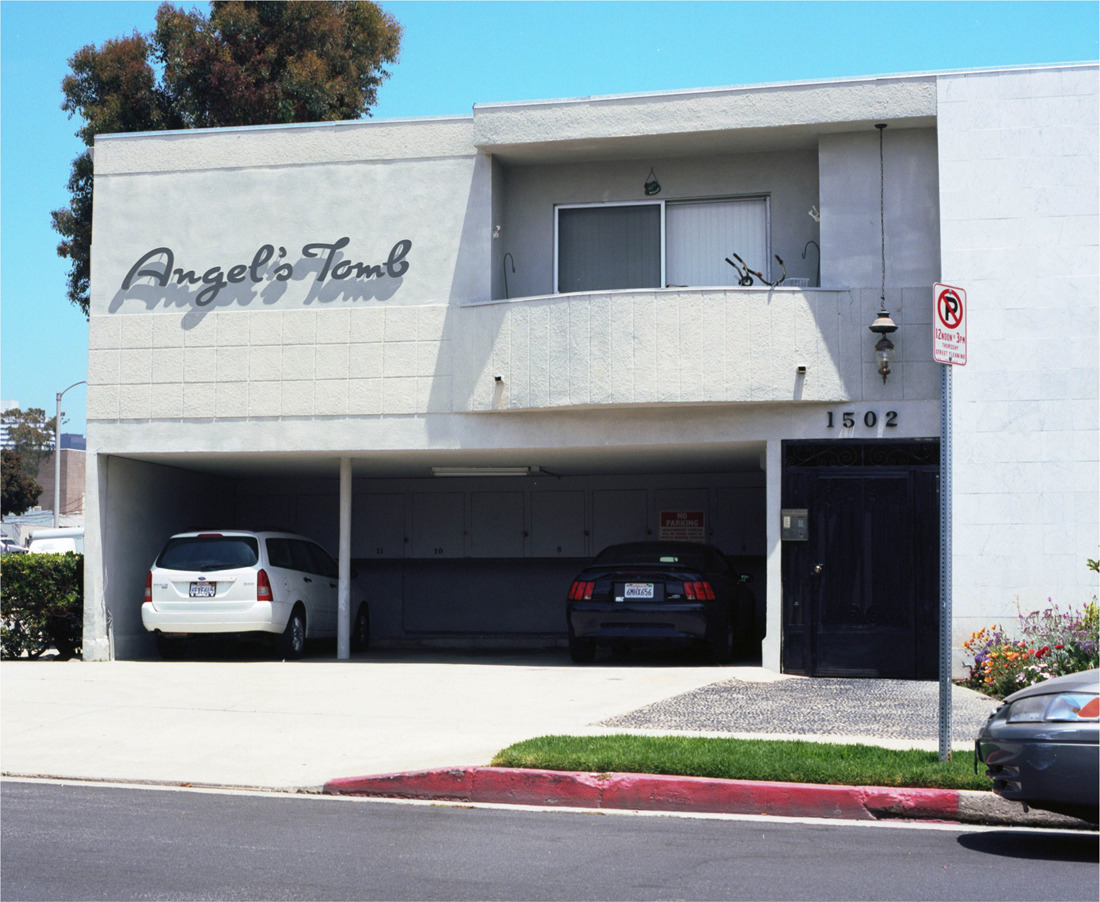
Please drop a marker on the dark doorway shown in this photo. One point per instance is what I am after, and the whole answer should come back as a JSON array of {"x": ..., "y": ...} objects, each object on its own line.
[{"x": 861, "y": 592}]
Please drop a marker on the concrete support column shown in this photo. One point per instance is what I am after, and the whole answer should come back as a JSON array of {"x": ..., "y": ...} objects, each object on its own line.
[
  {"x": 343, "y": 611},
  {"x": 97, "y": 633},
  {"x": 771, "y": 651}
]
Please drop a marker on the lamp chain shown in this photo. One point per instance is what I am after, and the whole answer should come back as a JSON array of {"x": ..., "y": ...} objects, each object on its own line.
[{"x": 882, "y": 211}]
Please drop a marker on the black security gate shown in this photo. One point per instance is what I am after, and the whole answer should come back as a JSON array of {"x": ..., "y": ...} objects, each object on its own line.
[{"x": 861, "y": 586}]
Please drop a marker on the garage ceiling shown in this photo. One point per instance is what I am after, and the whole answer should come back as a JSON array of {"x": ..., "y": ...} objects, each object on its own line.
[{"x": 710, "y": 458}]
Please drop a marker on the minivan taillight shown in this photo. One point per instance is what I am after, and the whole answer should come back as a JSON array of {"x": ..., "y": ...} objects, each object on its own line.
[
  {"x": 148, "y": 586},
  {"x": 263, "y": 587}
]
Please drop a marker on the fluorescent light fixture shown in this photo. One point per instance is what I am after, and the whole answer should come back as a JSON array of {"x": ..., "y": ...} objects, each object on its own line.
[{"x": 484, "y": 471}]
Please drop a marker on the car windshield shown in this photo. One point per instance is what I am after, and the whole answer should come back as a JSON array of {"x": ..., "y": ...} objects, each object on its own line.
[
  {"x": 209, "y": 553},
  {"x": 652, "y": 554}
]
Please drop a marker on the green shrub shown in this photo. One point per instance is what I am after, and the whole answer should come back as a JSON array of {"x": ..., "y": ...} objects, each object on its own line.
[{"x": 41, "y": 604}]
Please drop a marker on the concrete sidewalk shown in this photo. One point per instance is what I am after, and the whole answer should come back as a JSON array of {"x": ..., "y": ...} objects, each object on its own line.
[{"x": 320, "y": 725}]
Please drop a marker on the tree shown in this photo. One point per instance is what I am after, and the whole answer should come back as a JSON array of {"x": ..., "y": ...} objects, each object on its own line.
[
  {"x": 20, "y": 492},
  {"x": 247, "y": 63},
  {"x": 30, "y": 435}
]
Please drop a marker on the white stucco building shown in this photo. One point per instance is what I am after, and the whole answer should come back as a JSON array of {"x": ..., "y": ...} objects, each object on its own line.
[{"x": 376, "y": 317}]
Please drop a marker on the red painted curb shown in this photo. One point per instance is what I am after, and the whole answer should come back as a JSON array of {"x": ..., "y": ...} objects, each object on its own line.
[
  {"x": 648, "y": 792},
  {"x": 456, "y": 784}
]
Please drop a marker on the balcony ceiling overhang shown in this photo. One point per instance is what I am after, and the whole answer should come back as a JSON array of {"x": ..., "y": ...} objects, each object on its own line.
[
  {"x": 700, "y": 123},
  {"x": 696, "y": 144}
]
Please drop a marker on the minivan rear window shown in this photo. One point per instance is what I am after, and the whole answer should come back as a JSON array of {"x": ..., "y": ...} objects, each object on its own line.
[{"x": 209, "y": 553}]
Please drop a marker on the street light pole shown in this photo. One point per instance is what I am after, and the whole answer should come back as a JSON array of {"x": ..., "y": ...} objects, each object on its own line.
[{"x": 57, "y": 455}]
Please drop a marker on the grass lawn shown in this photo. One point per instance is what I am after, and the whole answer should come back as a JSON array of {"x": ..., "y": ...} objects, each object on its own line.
[{"x": 746, "y": 759}]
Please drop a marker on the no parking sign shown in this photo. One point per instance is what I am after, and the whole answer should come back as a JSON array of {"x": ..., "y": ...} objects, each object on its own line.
[{"x": 949, "y": 324}]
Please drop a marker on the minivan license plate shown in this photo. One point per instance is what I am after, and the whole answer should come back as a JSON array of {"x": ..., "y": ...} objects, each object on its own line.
[
  {"x": 638, "y": 590},
  {"x": 202, "y": 590}
]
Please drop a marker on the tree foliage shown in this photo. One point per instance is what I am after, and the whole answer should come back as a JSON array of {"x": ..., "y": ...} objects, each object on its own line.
[
  {"x": 31, "y": 436},
  {"x": 247, "y": 63},
  {"x": 20, "y": 492}
]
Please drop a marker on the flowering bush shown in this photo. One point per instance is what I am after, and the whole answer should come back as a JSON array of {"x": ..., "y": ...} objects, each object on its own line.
[{"x": 1044, "y": 644}]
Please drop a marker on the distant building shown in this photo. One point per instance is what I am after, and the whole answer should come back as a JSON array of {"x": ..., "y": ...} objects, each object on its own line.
[
  {"x": 72, "y": 480},
  {"x": 5, "y": 442}
]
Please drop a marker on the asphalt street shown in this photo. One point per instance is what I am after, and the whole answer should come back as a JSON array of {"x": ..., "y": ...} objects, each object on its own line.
[{"x": 103, "y": 842}]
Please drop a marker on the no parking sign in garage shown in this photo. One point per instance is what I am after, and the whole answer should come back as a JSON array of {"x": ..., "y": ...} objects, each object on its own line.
[{"x": 949, "y": 325}]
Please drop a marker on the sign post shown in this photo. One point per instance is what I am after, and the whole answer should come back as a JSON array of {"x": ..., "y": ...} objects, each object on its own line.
[{"x": 949, "y": 349}]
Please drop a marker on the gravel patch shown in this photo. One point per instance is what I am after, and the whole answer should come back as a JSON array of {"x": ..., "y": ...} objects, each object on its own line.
[{"x": 888, "y": 709}]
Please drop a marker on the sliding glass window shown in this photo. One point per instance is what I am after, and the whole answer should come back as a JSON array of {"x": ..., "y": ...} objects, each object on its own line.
[
  {"x": 603, "y": 247},
  {"x": 609, "y": 246}
]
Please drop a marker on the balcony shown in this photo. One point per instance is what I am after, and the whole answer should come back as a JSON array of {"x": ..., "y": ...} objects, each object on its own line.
[{"x": 685, "y": 346}]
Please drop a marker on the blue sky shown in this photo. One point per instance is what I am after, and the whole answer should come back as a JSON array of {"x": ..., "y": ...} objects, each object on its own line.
[{"x": 456, "y": 54}]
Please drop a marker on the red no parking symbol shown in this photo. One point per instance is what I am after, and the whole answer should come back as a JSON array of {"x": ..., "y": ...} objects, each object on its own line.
[{"x": 949, "y": 307}]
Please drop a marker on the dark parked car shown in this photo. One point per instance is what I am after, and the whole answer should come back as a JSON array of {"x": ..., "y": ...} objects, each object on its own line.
[
  {"x": 642, "y": 593},
  {"x": 1040, "y": 747}
]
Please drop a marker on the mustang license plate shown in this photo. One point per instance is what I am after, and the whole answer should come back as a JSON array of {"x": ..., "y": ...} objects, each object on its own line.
[
  {"x": 638, "y": 590},
  {"x": 202, "y": 590}
]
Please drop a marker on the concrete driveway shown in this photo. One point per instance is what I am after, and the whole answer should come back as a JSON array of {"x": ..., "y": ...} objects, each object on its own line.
[{"x": 261, "y": 723}]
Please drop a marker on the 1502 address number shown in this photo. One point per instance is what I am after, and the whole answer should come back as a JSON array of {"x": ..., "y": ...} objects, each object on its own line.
[{"x": 847, "y": 419}]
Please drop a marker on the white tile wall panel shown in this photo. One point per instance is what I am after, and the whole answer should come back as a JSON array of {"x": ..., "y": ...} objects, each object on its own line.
[
  {"x": 368, "y": 324},
  {"x": 104, "y": 332},
  {"x": 166, "y": 402},
  {"x": 231, "y": 363},
  {"x": 331, "y": 398},
  {"x": 198, "y": 400},
  {"x": 299, "y": 362},
  {"x": 297, "y": 398},
  {"x": 364, "y": 397},
  {"x": 399, "y": 396},
  {"x": 134, "y": 402},
  {"x": 167, "y": 366},
  {"x": 333, "y": 326},
  {"x": 204, "y": 331},
  {"x": 265, "y": 399},
  {"x": 136, "y": 366},
  {"x": 399, "y": 359},
  {"x": 200, "y": 365},
  {"x": 137, "y": 332},
  {"x": 401, "y": 324},
  {"x": 299, "y": 327},
  {"x": 332, "y": 361},
  {"x": 265, "y": 328},
  {"x": 231, "y": 400}
]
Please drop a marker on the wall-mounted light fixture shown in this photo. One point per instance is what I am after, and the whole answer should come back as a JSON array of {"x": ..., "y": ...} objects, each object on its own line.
[
  {"x": 883, "y": 325},
  {"x": 484, "y": 471},
  {"x": 652, "y": 186},
  {"x": 884, "y": 348},
  {"x": 802, "y": 371}
]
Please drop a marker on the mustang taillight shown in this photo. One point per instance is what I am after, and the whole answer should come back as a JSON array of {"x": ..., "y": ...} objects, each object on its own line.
[
  {"x": 699, "y": 591},
  {"x": 581, "y": 590},
  {"x": 149, "y": 586},
  {"x": 263, "y": 587}
]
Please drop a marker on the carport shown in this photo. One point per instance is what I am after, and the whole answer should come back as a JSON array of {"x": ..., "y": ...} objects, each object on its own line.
[{"x": 461, "y": 549}]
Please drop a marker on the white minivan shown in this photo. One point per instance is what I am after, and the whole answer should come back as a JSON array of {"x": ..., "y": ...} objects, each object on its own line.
[{"x": 233, "y": 581}]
